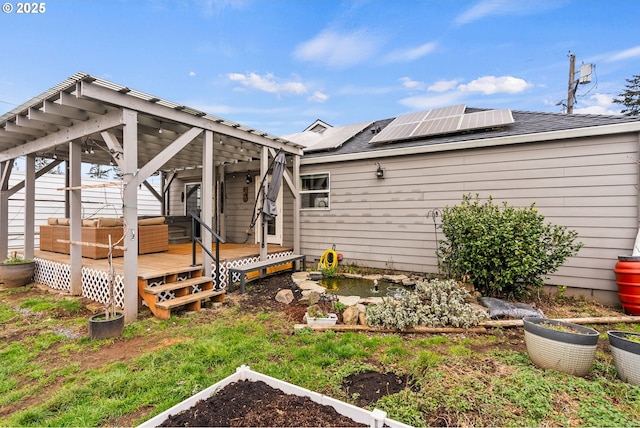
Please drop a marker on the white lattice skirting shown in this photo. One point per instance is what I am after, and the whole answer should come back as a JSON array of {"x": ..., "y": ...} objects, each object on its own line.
[
  {"x": 244, "y": 262},
  {"x": 95, "y": 283}
]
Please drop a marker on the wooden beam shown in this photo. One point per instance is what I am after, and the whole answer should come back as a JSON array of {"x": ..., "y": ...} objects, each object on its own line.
[
  {"x": 65, "y": 135},
  {"x": 93, "y": 91},
  {"x": 67, "y": 99},
  {"x": 169, "y": 152},
  {"x": 40, "y": 116},
  {"x": 92, "y": 186},
  {"x": 40, "y": 173},
  {"x": 52, "y": 108}
]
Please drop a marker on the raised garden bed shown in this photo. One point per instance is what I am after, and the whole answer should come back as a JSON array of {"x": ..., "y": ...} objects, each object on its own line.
[{"x": 358, "y": 416}]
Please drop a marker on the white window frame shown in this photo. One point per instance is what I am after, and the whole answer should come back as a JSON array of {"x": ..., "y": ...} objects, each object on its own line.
[{"x": 327, "y": 207}]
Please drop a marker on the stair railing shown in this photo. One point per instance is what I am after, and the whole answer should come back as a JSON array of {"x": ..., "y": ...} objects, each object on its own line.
[{"x": 195, "y": 222}]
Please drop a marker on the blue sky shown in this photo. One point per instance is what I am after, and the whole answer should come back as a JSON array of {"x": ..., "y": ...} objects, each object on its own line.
[{"x": 278, "y": 65}]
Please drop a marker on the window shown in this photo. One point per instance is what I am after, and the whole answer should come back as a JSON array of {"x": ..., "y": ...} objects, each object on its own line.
[{"x": 315, "y": 191}]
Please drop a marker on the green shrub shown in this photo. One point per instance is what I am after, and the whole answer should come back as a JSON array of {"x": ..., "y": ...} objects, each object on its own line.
[{"x": 503, "y": 251}]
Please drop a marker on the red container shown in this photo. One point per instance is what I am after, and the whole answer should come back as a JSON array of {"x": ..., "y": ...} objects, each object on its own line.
[{"x": 627, "y": 272}]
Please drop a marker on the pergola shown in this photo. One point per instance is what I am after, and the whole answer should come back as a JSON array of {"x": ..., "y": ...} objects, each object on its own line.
[{"x": 91, "y": 120}]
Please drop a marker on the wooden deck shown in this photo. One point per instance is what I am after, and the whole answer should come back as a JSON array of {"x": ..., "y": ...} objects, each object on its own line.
[{"x": 178, "y": 255}]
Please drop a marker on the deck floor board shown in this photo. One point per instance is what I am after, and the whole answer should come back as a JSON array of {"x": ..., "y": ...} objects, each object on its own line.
[{"x": 156, "y": 263}]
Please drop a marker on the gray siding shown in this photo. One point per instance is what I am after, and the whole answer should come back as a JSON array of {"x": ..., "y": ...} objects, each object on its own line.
[
  {"x": 588, "y": 184},
  {"x": 237, "y": 212}
]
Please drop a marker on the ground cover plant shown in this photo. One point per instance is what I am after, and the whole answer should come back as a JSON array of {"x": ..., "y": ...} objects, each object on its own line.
[{"x": 51, "y": 374}]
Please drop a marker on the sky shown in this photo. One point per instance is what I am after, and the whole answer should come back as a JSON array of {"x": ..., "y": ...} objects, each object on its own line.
[{"x": 279, "y": 65}]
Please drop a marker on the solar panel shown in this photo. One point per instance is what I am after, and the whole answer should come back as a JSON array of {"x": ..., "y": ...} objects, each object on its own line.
[
  {"x": 415, "y": 124},
  {"x": 486, "y": 119},
  {"x": 441, "y": 121},
  {"x": 410, "y": 118},
  {"x": 437, "y": 126},
  {"x": 457, "y": 110},
  {"x": 330, "y": 138}
]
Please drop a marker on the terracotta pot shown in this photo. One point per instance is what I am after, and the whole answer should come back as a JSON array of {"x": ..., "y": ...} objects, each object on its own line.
[
  {"x": 568, "y": 352},
  {"x": 17, "y": 274},
  {"x": 627, "y": 272},
  {"x": 626, "y": 355}
]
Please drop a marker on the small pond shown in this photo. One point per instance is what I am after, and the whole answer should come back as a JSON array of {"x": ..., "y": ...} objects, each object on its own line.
[{"x": 359, "y": 287}]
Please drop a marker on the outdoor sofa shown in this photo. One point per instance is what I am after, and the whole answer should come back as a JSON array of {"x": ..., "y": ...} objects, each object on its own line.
[{"x": 153, "y": 236}]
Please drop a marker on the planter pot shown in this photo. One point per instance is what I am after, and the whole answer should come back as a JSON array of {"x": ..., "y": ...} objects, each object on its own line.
[
  {"x": 376, "y": 418},
  {"x": 568, "y": 352},
  {"x": 17, "y": 274},
  {"x": 626, "y": 355},
  {"x": 627, "y": 272},
  {"x": 330, "y": 319},
  {"x": 101, "y": 328}
]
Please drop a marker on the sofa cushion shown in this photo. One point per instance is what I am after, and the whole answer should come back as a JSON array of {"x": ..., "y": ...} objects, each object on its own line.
[
  {"x": 89, "y": 222},
  {"x": 52, "y": 221},
  {"x": 151, "y": 221},
  {"x": 108, "y": 222},
  {"x": 63, "y": 221}
]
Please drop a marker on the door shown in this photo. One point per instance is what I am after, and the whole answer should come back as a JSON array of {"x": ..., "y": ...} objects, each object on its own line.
[{"x": 274, "y": 227}]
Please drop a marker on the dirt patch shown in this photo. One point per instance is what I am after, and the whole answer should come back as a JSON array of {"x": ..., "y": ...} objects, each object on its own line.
[
  {"x": 368, "y": 387},
  {"x": 256, "y": 404}
]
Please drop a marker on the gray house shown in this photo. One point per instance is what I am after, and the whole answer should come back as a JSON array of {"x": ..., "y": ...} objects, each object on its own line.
[{"x": 372, "y": 189}]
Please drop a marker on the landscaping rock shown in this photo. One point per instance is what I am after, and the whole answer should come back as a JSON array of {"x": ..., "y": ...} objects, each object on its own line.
[
  {"x": 312, "y": 286},
  {"x": 349, "y": 300},
  {"x": 409, "y": 282},
  {"x": 376, "y": 277},
  {"x": 371, "y": 300},
  {"x": 284, "y": 296},
  {"x": 396, "y": 279},
  {"x": 315, "y": 276},
  {"x": 362, "y": 318},
  {"x": 300, "y": 276},
  {"x": 350, "y": 315}
]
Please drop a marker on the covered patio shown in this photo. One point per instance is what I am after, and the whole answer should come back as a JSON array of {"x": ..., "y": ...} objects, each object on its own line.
[{"x": 85, "y": 119}]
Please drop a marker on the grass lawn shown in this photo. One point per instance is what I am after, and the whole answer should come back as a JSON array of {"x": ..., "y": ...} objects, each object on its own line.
[{"x": 51, "y": 374}]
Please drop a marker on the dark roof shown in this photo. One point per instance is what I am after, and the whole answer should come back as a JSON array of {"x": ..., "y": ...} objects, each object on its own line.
[{"x": 525, "y": 123}]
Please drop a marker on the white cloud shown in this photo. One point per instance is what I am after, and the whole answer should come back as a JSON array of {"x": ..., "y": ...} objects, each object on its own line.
[
  {"x": 192, "y": 73},
  {"x": 598, "y": 104},
  {"x": 488, "y": 85},
  {"x": 486, "y": 8},
  {"x": 410, "y": 54},
  {"x": 411, "y": 84},
  {"x": 338, "y": 50},
  {"x": 625, "y": 54},
  {"x": 318, "y": 97},
  {"x": 443, "y": 85},
  {"x": 268, "y": 83}
]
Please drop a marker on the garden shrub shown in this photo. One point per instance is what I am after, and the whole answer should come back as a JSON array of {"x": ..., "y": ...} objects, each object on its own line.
[
  {"x": 503, "y": 251},
  {"x": 435, "y": 303}
]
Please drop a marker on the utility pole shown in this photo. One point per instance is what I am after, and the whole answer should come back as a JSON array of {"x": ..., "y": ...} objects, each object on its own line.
[{"x": 571, "y": 94}]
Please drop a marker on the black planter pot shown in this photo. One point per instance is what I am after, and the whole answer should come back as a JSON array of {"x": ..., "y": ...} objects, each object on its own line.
[{"x": 101, "y": 328}]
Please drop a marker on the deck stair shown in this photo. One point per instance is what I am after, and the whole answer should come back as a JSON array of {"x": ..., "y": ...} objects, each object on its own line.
[
  {"x": 178, "y": 234},
  {"x": 176, "y": 288}
]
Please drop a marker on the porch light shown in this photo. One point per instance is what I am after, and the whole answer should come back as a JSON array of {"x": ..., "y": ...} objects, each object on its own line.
[
  {"x": 249, "y": 178},
  {"x": 160, "y": 128},
  {"x": 379, "y": 171}
]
